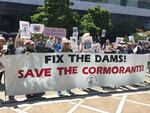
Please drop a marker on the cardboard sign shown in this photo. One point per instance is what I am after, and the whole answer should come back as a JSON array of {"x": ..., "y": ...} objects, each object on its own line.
[
  {"x": 103, "y": 33},
  {"x": 37, "y": 28},
  {"x": 25, "y": 29},
  {"x": 131, "y": 38},
  {"x": 75, "y": 32},
  {"x": 87, "y": 43},
  {"x": 118, "y": 40},
  {"x": 96, "y": 48},
  {"x": 74, "y": 43},
  {"x": 57, "y": 32},
  {"x": 5, "y": 47}
]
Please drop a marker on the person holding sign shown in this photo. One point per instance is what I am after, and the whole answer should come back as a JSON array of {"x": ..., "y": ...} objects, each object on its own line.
[
  {"x": 66, "y": 47},
  {"x": 19, "y": 44},
  {"x": 86, "y": 44},
  {"x": 41, "y": 46},
  {"x": 50, "y": 43},
  {"x": 11, "y": 48}
]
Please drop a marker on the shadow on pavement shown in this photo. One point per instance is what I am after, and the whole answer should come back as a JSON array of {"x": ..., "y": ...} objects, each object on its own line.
[{"x": 90, "y": 92}]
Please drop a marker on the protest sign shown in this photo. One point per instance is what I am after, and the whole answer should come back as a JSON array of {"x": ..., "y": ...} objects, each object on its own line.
[
  {"x": 37, "y": 28},
  {"x": 96, "y": 48},
  {"x": 38, "y": 72},
  {"x": 141, "y": 34},
  {"x": 118, "y": 40},
  {"x": 57, "y": 32},
  {"x": 87, "y": 43},
  {"x": 131, "y": 38},
  {"x": 74, "y": 43},
  {"x": 75, "y": 32},
  {"x": 5, "y": 47},
  {"x": 135, "y": 49},
  {"x": 24, "y": 29},
  {"x": 140, "y": 42},
  {"x": 103, "y": 33}
]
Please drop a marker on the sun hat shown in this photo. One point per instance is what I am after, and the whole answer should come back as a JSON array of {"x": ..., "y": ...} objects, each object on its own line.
[
  {"x": 2, "y": 38},
  {"x": 28, "y": 42}
]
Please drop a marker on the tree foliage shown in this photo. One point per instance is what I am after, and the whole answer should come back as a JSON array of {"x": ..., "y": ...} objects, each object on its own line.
[
  {"x": 125, "y": 28},
  {"x": 95, "y": 20},
  {"x": 56, "y": 13}
]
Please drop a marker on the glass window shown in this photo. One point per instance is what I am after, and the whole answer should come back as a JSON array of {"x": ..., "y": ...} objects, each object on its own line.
[{"x": 123, "y": 2}]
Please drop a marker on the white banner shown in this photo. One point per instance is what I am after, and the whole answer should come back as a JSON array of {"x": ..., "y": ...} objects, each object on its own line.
[
  {"x": 25, "y": 29},
  {"x": 37, "y": 28},
  {"x": 35, "y": 72}
]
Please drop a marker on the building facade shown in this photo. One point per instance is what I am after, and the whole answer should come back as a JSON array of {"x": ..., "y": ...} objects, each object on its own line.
[
  {"x": 136, "y": 10},
  {"x": 12, "y": 10}
]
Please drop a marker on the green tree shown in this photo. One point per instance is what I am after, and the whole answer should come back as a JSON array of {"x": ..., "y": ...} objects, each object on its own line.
[
  {"x": 56, "y": 13},
  {"x": 95, "y": 20},
  {"x": 125, "y": 27}
]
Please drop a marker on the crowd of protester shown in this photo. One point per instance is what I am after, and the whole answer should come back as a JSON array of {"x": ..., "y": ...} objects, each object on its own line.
[{"x": 57, "y": 44}]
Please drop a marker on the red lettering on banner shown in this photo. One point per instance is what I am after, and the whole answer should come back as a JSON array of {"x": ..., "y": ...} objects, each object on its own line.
[
  {"x": 34, "y": 73},
  {"x": 39, "y": 74},
  {"x": 85, "y": 70},
  {"x": 29, "y": 73},
  {"x": 99, "y": 69},
  {"x": 60, "y": 70},
  {"x": 112, "y": 70},
  {"x": 47, "y": 72},
  {"x": 107, "y": 70},
  {"x": 20, "y": 73},
  {"x": 115, "y": 70},
  {"x": 67, "y": 70},
  {"x": 128, "y": 70},
  {"x": 92, "y": 70},
  {"x": 122, "y": 70}
]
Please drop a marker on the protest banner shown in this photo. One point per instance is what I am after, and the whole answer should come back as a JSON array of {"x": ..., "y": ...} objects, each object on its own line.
[
  {"x": 37, "y": 28},
  {"x": 74, "y": 43},
  {"x": 131, "y": 38},
  {"x": 24, "y": 29},
  {"x": 38, "y": 72},
  {"x": 118, "y": 40},
  {"x": 57, "y": 32}
]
